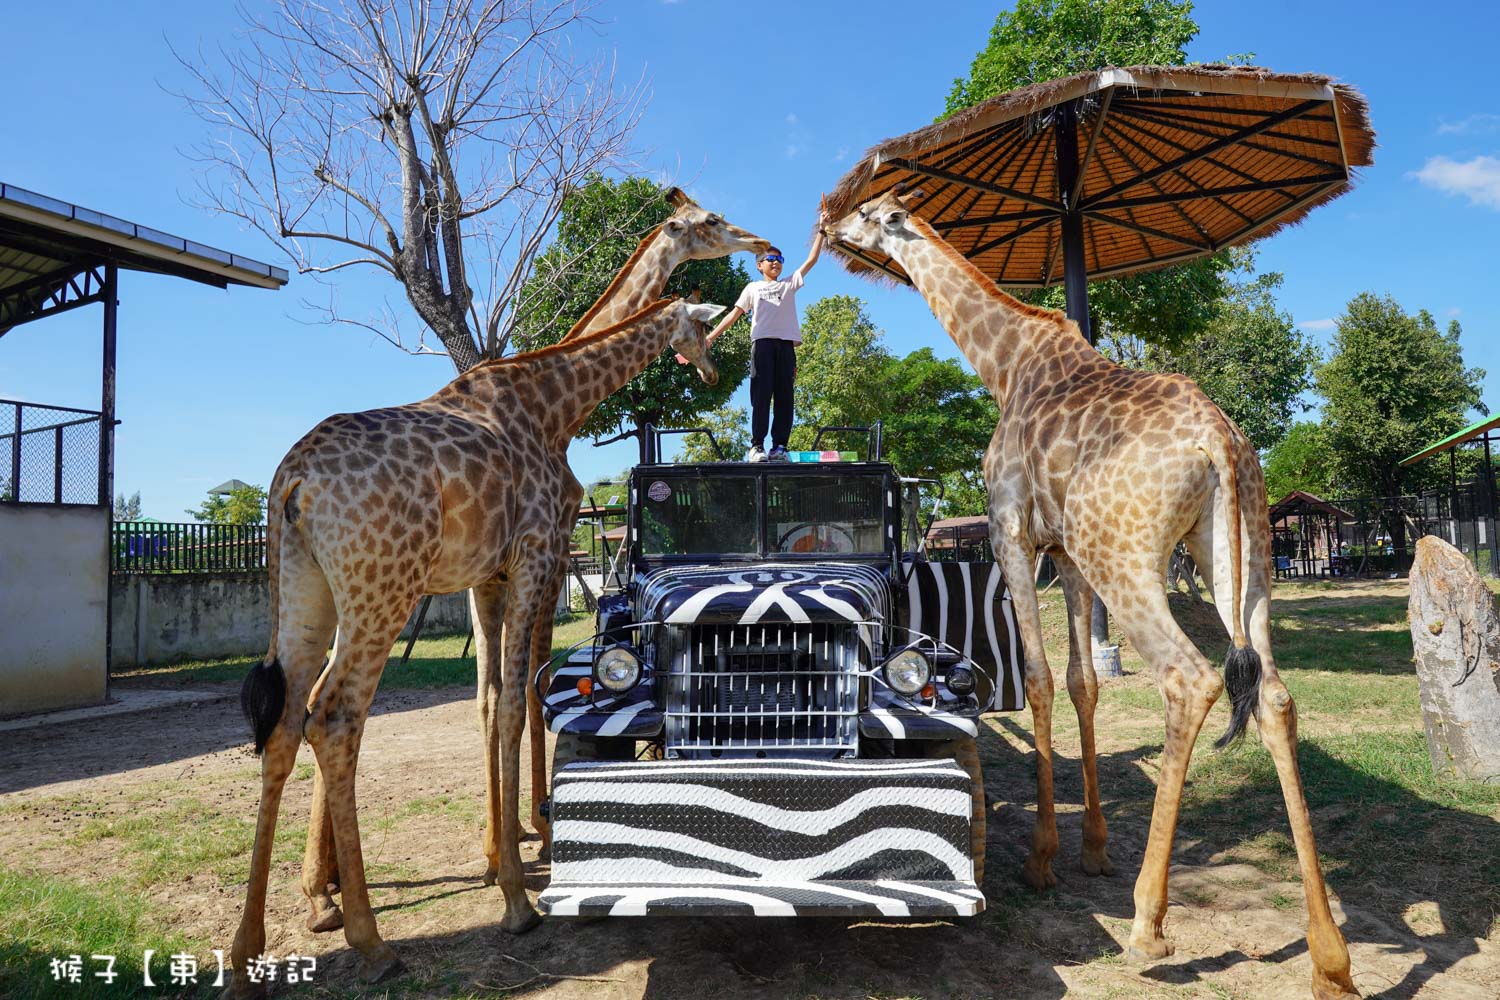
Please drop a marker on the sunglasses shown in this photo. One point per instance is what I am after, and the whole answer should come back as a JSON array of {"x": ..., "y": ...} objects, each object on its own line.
[{"x": 773, "y": 258}]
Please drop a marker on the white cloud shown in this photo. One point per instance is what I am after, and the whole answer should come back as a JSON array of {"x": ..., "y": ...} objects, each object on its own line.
[
  {"x": 1473, "y": 125},
  {"x": 791, "y": 119},
  {"x": 792, "y": 149},
  {"x": 1319, "y": 325},
  {"x": 839, "y": 156},
  {"x": 1477, "y": 179}
]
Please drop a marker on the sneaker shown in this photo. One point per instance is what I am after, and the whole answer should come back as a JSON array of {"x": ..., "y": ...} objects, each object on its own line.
[
  {"x": 778, "y": 454},
  {"x": 755, "y": 454}
]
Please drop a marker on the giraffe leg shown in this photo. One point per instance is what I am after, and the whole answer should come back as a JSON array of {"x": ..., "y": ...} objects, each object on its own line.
[
  {"x": 1017, "y": 562},
  {"x": 320, "y": 870},
  {"x": 487, "y": 610},
  {"x": 306, "y": 620},
  {"x": 541, "y": 654},
  {"x": 1083, "y": 689},
  {"x": 335, "y": 725},
  {"x": 527, "y": 599}
]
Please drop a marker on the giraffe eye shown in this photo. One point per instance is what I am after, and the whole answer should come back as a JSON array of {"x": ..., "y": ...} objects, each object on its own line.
[{"x": 713, "y": 220}]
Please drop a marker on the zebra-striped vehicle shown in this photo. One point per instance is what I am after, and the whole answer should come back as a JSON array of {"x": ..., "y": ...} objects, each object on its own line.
[{"x": 778, "y": 712}]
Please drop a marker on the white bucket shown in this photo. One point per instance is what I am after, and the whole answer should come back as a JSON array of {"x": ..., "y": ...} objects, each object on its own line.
[{"x": 1107, "y": 661}]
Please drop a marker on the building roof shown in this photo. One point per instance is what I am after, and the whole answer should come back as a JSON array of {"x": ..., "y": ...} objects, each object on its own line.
[
  {"x": 45, "y": 244},
  {"x": 1453, "y": 440},
  {"x": 1301, "y": 502},
  {"x": 228, "y": 486}
]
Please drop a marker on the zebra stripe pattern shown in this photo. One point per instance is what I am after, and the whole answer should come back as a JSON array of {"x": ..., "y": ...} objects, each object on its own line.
[
  {"x": 765, "y": 837},
  {"x": 968, "y": 606}
]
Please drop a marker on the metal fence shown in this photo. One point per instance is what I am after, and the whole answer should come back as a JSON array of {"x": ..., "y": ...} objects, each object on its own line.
[
  {"x": 49, "y": 454},
  {"x": 163, "y": 547}
]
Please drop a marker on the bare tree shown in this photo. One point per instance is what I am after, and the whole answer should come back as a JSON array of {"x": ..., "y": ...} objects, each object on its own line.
[{"x": 433, "y": 141}]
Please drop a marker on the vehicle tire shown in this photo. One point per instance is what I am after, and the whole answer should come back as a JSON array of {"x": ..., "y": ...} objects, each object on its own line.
[{"x": 966, "y": 752}]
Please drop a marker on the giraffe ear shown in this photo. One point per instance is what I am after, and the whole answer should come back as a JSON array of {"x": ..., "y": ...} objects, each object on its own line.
[
  {"x": 674, "y": 227},
  {"x": 894, "y": 218}
]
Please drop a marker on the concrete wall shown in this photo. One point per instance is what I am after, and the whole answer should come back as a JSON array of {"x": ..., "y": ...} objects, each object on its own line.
[
  {"x": 54, "y": 575},
  {"x": 181, "y": 616}
]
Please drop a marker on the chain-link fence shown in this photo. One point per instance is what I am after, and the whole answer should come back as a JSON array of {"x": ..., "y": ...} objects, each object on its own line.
[{"x": 48, "y": 454}]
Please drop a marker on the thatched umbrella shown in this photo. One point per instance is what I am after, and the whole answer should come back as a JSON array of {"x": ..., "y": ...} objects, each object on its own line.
[{"x": 1117, "y": 171}]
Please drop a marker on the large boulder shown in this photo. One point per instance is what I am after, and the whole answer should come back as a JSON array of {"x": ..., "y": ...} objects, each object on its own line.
[{"x": 1455, "y": 633}]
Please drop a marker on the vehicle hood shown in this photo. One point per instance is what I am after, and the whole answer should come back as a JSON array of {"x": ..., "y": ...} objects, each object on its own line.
[{"x": 768, "y": 593}]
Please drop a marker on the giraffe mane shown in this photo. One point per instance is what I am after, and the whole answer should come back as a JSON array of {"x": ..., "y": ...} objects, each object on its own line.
[
  {"x": 609, "y": 293},
  {"x": 990, "y": 288},
  {"x": 568, "y": 345}
]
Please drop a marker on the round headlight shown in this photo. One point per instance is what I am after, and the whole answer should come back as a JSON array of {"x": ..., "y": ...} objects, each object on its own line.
[
  {"x": 617, "y": 669},
  {"x": 960, "y": 679},
  {"x": 907, "y": 672}
]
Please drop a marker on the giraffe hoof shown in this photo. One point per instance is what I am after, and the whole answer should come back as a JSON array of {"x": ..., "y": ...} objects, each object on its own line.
[
  {"x": 382, "y": 967},
  {"x": 1097, "y": 863},
  {"x": 523, "y": 922},
  {"x": 491, "y": 875},
  {"x": 1331, "y": 987},
  {"x": 1148, "y": 950},
  {"x": 1039, "y": 877},
  {"x": 241, "y": 988},
  {"x": 330, "y": 919}
]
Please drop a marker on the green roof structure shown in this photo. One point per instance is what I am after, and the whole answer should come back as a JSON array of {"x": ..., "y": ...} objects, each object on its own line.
[{"x": 1453, "y": 440}]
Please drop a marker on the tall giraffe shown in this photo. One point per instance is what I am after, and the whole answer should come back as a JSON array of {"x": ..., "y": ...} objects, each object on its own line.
[
  {"x": 689, "y": 233},
  {"x": 463, "y": 490},
  {"x": 1106, "y": 469}
]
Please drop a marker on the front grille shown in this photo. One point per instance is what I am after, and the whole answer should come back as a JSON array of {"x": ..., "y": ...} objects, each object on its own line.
[{"x": 761, "y": 688}]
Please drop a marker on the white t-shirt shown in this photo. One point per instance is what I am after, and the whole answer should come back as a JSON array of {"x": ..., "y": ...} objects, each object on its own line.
[{"x": 772, "y": 306}]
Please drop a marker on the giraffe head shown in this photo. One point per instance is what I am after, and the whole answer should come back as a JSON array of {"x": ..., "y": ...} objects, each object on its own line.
[
  {"x": 698, "y": 234},
  {"x": 879, "y": 224},
  {"x": 690, "y": 323}
]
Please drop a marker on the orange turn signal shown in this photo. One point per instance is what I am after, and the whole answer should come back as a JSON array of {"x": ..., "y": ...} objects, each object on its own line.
[
  {"x": 586, "y": 686},
  {"x": 929, "y": 691}
]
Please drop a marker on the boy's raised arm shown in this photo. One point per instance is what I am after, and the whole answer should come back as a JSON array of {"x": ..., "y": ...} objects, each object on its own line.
[{"x": 817, "y": 243}]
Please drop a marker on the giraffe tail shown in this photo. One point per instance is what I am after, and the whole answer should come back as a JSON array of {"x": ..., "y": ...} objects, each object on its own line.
[
  {"x": 1242, "y": 666},
  {"x": 263, "y": 693}
]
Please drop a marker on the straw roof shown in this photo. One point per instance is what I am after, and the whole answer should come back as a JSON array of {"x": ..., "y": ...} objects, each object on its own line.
[{"x": 1176, "y": 162}]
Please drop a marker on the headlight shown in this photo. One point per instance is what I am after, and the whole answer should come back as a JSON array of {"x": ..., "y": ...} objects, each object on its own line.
[
  {"x": 617, "y": 669},
  {"x": 960, "y": 679},
  {"x": 907, "y": 672}
]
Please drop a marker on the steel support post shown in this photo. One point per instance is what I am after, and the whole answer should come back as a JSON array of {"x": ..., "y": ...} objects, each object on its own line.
[
  {"x": 107, "y": 452},
  {"x": 1489, "y": 509}
]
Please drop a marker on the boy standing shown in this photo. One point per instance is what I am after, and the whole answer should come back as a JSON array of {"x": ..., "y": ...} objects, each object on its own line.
[{"x": 774, "y": 336}]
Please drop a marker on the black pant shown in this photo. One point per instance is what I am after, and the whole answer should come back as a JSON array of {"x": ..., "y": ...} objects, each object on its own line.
[{"x": 773, "y": 369}]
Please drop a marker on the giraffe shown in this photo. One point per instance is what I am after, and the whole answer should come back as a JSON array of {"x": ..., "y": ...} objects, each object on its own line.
[
  {"x": 463, "y": 490},
  {"x": 689, "y": 233},
  {"x": 1105, "y": 469}
]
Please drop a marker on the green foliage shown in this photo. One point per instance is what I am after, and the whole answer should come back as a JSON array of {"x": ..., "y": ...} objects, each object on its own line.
[
  {"x": 1045, "y": 39},
  {"x": 243, "y": 505},
  {"x": 1394, "y": 384},
  {"x": 601, "y": 224},
  {"x": 731, "y": 427},
  {"x": 838, "y": 368},
  {"x": 1251, "y": 359},
  {"x": 128, "y": 509},
  {"x": 1299, "y": 461}
]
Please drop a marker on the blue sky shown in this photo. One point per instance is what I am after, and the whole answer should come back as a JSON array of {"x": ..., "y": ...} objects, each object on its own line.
[{"x": 755, "y": 110}]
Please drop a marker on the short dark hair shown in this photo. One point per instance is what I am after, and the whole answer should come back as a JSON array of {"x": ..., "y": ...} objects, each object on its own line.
[{"x": 767, "y": 252}]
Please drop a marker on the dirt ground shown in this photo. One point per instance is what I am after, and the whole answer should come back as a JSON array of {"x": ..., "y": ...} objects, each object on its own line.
[{"x": 1238, "y": 931}]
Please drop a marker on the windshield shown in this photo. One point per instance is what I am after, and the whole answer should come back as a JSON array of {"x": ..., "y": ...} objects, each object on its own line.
[
  {"x": 829, "y": 514},
  {"x": 682, "y": 516}
]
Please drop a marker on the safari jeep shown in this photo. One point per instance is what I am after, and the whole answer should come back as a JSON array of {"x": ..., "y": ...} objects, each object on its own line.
[{"x": 777, "y": 715}]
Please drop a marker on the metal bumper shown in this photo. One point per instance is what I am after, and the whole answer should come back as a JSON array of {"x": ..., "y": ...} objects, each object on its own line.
[{"x": 763, "y": 838}]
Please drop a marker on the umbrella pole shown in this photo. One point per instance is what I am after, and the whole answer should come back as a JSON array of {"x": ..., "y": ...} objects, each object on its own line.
[{"x": 1075, "y": 273}]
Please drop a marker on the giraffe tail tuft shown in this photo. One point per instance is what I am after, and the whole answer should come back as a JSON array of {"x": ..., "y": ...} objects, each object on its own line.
[
  {"x": 262, "y": 699},
  {"x": 1242, "y": 678}
]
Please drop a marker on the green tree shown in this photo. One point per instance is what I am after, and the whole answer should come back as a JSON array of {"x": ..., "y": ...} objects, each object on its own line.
[
  {"x": 243, "y": 505},
  {"x": 839, "y": 368},
  {"x": 731, "y": 428},
  {"x": 938, "y": 416},
  {"x": 601, "y": 224},
  {"x": 1299, "y": 461},
  {"x": 1045, "y": 39},
  {"x": 1394, "y": 383},
  {"x": 128, "y": 508},
  {"x": 1250, "y": 359}
]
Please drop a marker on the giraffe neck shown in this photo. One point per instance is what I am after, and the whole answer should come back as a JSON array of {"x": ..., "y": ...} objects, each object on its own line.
[
  {"x": 639, "y": 283},
  {"x": 997, "y": 333}
]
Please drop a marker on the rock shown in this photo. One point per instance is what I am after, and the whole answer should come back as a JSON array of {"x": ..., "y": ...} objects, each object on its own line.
[{"x": 1455, "y": 634}]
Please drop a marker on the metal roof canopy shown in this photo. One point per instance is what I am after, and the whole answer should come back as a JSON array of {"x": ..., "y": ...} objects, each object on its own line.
[
  {"x": 1117, "y": 171},
  {"x": 1469, "y": 433}
]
